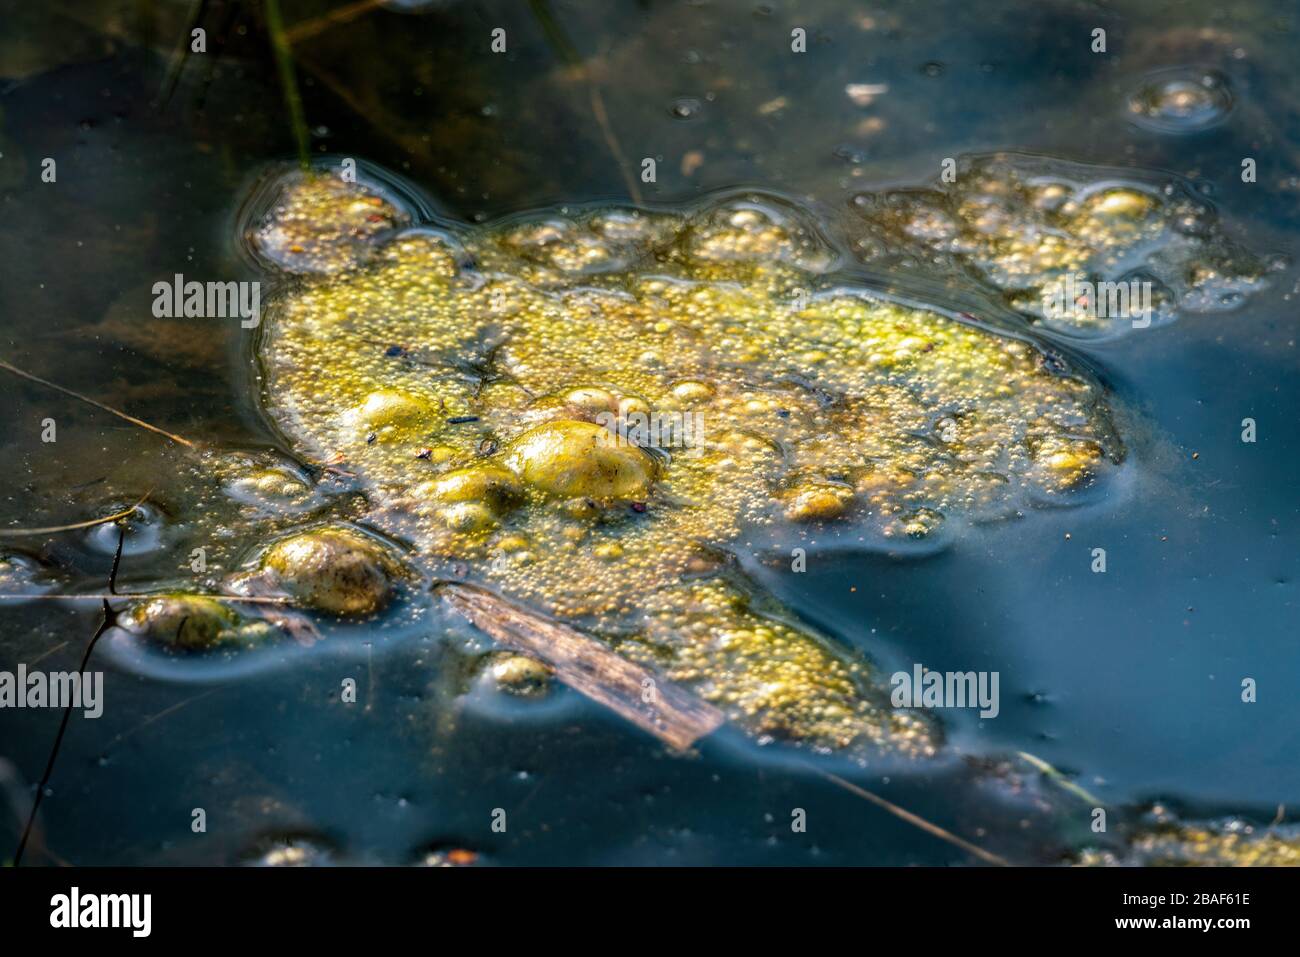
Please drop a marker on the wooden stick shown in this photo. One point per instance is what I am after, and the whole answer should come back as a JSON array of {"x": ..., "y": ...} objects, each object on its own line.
[
  {"x": 99, "y": 405},
  {"x": 53, "y": 529},
  {"x": 670, "y": 713}
]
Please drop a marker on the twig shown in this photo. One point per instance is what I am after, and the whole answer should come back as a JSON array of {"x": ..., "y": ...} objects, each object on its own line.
[
  {"x": 47, "y": 596},
  {"x": 46, "y": 653},
  {"x": 987, "y": 856},
  {"x": 105, "y": 622},
  {"x": 607, "y": 131},
  {"x": 118, "y": 739},
  {"x": 50, "y": 530},
  {"x": 99, "y": 405},
  {"x": 651, "y": 702}
]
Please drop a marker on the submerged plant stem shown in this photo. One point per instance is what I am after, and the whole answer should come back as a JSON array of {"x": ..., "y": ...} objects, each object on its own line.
[
  {"x": 182, "y": 55},
  {"x": 1061, "y": 779},
  {"x": 903, "y": 814},
  {"x": 336, "y": 17},
  {"x": 569, "y": 54},
  {"x": 288, "y": 81},
  {"x": 106, "y": 621}
]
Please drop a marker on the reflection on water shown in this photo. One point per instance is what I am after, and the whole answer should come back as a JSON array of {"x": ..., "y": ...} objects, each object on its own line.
[{"x": 390, "y": 735}]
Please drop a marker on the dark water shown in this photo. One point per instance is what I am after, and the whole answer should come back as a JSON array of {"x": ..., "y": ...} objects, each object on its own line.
[{"x": 1129, "y": 682}]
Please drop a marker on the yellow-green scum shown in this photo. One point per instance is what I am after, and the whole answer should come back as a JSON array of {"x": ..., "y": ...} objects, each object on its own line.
[
  {"x": 496, "y": 416},
  {"x": 1023, "y": 223}
]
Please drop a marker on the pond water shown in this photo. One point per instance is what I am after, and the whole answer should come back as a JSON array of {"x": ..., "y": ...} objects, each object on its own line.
[{"x": 1127, "y": 682}]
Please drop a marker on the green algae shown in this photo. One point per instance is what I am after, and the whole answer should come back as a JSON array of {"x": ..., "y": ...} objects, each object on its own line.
[
  {"x": 1164, "y": 841},
  {"x": 332, "y": 569},
  {"x": 189, "y": 622},
  {"x": 1022, "y": 224},
  {"x": 480, "y": 407}
]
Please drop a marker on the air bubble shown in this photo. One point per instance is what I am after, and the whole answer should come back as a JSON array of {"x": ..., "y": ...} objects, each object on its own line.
[
  {"x": 685, "y": 108},
  {"x": 1181, "y": 100}
]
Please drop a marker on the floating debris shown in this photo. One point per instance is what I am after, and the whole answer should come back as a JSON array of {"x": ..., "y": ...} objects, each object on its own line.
[
  {"x": 864, "y": 94},
  {"x": 685, "y": 108},
  {"x": 450, "y": 857},
  {"x": 268, "y": 487},
  {"x": 803, "y": 383},
  {"x": 1085, "y": 250},
  {"x": 292, "y": 851}
]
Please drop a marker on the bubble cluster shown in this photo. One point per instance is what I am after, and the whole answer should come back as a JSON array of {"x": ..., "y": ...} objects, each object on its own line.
[
  {"x": 267, "y": 486},
  {"x": 292, "y": 234},
  {"x": 1044, "y": 234},
  {"x": 475, "y": 404},
  {"x": 1164, "y": 841},
  {"x": 21, "y": 575}
]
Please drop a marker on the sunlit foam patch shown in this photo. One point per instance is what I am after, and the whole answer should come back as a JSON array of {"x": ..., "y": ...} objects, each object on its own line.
[
  {"x": 557, "y": 249},
  {"x": 23, "y": 578},
  {"x": 325, "y": 218},
  {"x": 966, "y": 445},
  {"x": 506, "y": 687},
  {"x": 267, "y": 485},
  {"x": 293, "y": 849},
  {"x": 526, "y": 428},
  {"x": 757, "y": 228},
  {"x": 1160, "y": 838},
  {"x": 1087, "y": 251},
  {"x": 187, "y": 637}
]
